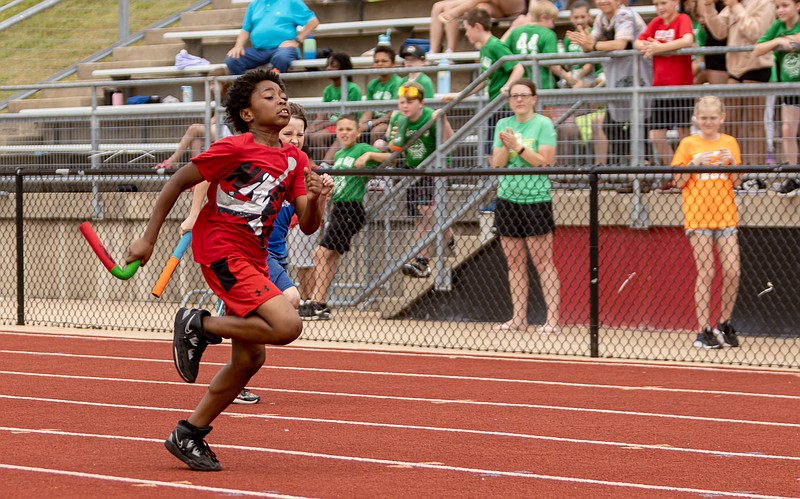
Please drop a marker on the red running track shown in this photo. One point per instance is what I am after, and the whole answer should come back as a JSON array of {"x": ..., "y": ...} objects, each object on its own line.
[{"x": 87, "y": 416}]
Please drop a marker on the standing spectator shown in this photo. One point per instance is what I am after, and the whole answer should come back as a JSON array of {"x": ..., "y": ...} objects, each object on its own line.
[
  {"x": 783, "y": 38},
  {"x": 271, "y": 26},
  {"x": 669, "y": 31},
  {"x": 711, "y": 218},
  {"x": 743, "y": 23},
  {"x": 445, "y": 13},
  {"x": 322, "y": 132},
  {"x": 413, "y": 115},
  {"x": 194, "y": 140},
  {"x": 414, "y": 56},
  {"x": 384, "y": 87},
  {"x": 708, "y": 68},
  {"x": 348, "y": 215},
  {"x": 616, "y": 28},
  {"x": 524, "y": 213}
]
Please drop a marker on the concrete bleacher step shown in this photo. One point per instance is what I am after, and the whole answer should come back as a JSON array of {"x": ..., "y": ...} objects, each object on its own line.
[
  {"x": 148, "y": 52},
  {"x": 415, "y": 288},
  {"x": 156, "y": 36},
  {"x": 16, "y": 106},
  {"x": 213, "y": 16},
  {"x": 85, "y": 70},
  {"x": 69, "y": 92}
]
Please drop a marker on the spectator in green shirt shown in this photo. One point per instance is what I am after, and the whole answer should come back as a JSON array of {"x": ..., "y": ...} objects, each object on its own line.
[
  {"x": 414, "y": 56},
  {"x": 384, "y": 87},
  {"x": 348, "y": 215},
  {"x": 524, "y": 212},
  {"x": 321, "y": 133}
]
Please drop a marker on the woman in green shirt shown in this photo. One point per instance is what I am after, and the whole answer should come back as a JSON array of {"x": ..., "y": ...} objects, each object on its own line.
[{"x": 524, "y": 214}]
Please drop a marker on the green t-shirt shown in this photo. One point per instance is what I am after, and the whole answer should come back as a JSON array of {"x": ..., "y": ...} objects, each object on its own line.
[
  {"x": 788, "y": 62},
  {"x": 350, "y": 188},
  {"x": 376, "y": 90},
  {"x": 425, "y": 146},
  {"x": 425, "y": 81},
  {"x": 334, "y": 94},
  {"x": 537, "y": 131},
  {"x": 491, "y": 53},
  {"x": 571, "y": 48},
  {"x": 534, "y": 39}
]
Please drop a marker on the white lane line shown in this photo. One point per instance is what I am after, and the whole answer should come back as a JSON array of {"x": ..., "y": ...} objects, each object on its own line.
[
  {"x": 779, "y": 371},
  {"x": 141, "y": 481},
  {"x": 432, "y": 376},
  {"x": 465, "y": 431},
  {"x": 439, "y": 467},
  {"x": 426, "y": 400}
]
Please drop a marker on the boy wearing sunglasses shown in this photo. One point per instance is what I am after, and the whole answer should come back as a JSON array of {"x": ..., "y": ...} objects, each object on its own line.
[{"x": 412, "y": 115}]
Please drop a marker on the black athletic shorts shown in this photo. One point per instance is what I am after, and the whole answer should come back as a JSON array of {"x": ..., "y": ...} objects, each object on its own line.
[{"x": 523, "y": 220}]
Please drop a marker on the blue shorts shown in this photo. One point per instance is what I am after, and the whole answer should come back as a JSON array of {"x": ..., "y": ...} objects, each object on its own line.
[{"x": 278, "y": 275}]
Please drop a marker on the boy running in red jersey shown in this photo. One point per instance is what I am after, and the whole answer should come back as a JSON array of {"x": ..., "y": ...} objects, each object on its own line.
[{"x": 250, "y": 174}]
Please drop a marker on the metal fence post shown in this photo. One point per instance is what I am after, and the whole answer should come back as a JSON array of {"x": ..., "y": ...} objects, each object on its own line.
[
  {"x": 20, "y": 251},
  {"x": 594, "y": 263},
  {"x": 124, "y": 20}
]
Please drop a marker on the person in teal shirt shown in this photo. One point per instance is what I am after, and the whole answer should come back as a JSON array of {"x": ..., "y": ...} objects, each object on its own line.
[
  {"x": 524, "y": 212},
  {"x": 384, "y": 87},
  {"x": 348, "y": 215},
  {"x": 322, "y": 131}
]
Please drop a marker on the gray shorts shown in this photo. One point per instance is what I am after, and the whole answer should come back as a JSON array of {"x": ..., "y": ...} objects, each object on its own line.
[{"x": 714, "y": 233}]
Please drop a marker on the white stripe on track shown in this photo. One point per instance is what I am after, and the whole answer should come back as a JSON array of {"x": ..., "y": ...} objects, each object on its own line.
[
  {"x": 433, "y": 376},
  {"x": 510, "y": 357},
  {"x": 428, "y": 400},
  {"x": 441, "y": 467},
  {"x": 140, "y": 481},
  {"x": 240, "y": 415}
]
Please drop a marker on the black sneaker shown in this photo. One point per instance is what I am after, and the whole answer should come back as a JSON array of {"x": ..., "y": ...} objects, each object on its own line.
[
  {"x": 726, "y": 334},
  {"x": 417, "y": 268},
  {"x": 322, "y": 312},
  {"x": 246, "y": 397},
  {"x": 189, "y": 341},
  {"x": 789, "y": 187},
  {"x": 706, "y": 339},
  {"x": 306, "y": 310},
  {"x": 186, "y": 442}
]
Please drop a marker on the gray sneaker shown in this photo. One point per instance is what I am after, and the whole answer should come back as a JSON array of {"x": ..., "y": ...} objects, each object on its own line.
[
  {"x": 706, "y": 339},
  {"x": 417, "y": 268},
  {"x": 246, "y": 397}
]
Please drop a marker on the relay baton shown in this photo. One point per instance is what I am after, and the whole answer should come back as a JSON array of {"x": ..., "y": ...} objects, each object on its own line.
[
  {"x": 171, "y": 265},
  {"x": 102, "y": 253}
]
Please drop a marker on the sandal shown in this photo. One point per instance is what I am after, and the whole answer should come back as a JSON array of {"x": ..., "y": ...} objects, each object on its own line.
[
  {"x": 164, "y": 164},
  {"x": 507, "y": 327},
  {"x": 545, "y": 329}
]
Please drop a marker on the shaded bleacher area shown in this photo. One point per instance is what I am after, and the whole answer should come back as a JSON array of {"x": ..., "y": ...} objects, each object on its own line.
[{"x": 349, "y": 26}]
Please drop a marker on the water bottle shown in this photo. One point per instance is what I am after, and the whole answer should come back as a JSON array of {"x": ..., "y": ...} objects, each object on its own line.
[
  {"x": 386, "y": 39},
  {"x": 443, "y": 76},
  {"x": 401, "y": 125},
  {"x": 309, "y": 48}
]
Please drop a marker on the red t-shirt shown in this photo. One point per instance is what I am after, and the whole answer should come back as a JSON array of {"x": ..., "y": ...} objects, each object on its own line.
[
  {"x": 672, "y": 69},
  {"x": 249, "y": 182}
]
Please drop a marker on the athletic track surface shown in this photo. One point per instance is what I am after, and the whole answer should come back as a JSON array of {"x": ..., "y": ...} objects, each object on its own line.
[{"x": 87, "y": 417}]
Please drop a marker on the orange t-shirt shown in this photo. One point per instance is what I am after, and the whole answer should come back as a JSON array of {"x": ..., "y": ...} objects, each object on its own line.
[{"x": 708, "y": 200}]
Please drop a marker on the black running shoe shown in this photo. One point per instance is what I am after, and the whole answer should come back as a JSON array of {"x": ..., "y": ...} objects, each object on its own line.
[
  {"x": 726, "y": 334},
  {"x": 706, "y": 339},
  {"x": 417, "y": 268},
  {"x": 187, "y": 443},
  {"x": 189, "y": 341}
]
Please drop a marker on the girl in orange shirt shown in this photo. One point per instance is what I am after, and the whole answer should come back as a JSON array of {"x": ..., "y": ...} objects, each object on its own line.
[{"x": 711, "y": 218}]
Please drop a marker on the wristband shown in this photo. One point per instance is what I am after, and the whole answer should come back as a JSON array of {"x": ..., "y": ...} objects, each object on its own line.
[
  {"x": 297, "y": 39},
  {"x": 521, "y": 150}
]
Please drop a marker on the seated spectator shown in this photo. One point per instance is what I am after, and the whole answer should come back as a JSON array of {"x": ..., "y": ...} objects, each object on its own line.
[
  {"x": 384, "y": 87},
  {"x": 194, "y": 140},
  {"x": 348, "y": 215},
  {"x": 670, "y": 30},
  {"x": 271, "y": 27},
  {"x": 445, "y": 15},
  {"x": 322, "y": 132},
  {"x": 414, "y": 56}
]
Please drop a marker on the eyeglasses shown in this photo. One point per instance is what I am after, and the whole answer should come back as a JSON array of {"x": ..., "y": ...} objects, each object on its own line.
[
  {"x": 519, "y": 96},
  {"x": 410, "y": 92}
]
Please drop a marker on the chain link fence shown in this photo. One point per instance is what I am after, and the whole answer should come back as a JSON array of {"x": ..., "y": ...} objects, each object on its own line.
[{"x": 625, "y": 268}]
